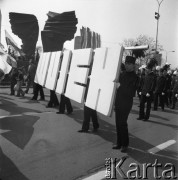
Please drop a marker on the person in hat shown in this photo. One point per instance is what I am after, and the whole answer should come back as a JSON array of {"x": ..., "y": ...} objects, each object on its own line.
[
  {"x": 160, "y": 89},
  {"x": 128, "y": 81},
  {"x": 174, "y": 90},
  {"x": 167, "y": 84},
  {"x": 147, "y": 90}
]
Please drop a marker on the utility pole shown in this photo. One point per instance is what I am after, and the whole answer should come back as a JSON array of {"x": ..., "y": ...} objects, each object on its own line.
[{"x": 157, "y": 16}]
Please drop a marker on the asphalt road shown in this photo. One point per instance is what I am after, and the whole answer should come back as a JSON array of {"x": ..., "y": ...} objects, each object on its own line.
[{"x": 38, "y": 144}]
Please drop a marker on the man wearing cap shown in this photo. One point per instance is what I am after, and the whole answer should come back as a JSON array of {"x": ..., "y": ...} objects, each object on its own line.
[
  {"x": 123, "y": 103},
  {"x": 174, "y": 90},
  {"x": 147, "y": 91}
]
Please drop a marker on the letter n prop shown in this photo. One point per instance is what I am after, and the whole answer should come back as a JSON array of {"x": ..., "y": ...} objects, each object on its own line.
[
  {"x": 53, "y": 70},
  {"x": 42, "y": 69},
  {"x": 78, "y": 74},
  {"x": 105, "y": 72},
  {"x": 63, "y": 71}
]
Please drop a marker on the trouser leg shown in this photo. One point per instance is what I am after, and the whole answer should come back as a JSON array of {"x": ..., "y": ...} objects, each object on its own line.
[
  {"x": 142, "y": 107},
  {"x": 62, "y": 104},
  {"x": 156, "y": 101},
  {"x": 94, "y": 119},
  {"x": 68, "y": 105},
  {"x": 41, "y": 92},
  {"x": 86, "y": 121},
  {"x": 122, "y": 127},
  {"x": 148, "y": 108}
]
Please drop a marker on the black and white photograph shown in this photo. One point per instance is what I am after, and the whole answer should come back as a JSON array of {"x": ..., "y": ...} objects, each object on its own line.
[{"x": 88, "y": 89}]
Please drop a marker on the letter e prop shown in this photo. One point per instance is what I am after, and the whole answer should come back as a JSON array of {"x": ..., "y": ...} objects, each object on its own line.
[
  {"x": 78, "y": 74},
  {"x": 63, "y": 72},
  {"x": 53, "y": 70},
  {"x": 104, "y": 73},
  {"x": 42, "y": 68}
]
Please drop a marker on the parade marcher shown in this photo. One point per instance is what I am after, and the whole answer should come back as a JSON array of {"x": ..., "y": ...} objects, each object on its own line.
[
  {"x": 167, "y": 86},
  {"x": 38, "y": 88},
  {"x": 64, "y": 101},
  {"x": 53, "y": 102},
  {"x": 160, "y": 90},
  {"x": 65, "y": 104},
  {"x": 140, "y": 84},
  {"x": 169, "y": 92},
  {"x": 123, "y": 103},
  {"x": 174, "y": 90},
  {"x": 13, "y": 80},
  {"x": 30, "y": 75},
  {"x": 18, "y": 86},
  {"x": 89, "y": 114},
  {"x": 147, "y": 91}
]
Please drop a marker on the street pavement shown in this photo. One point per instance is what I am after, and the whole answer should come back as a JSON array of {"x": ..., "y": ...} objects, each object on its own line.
[{"x": 38, "y": 144}]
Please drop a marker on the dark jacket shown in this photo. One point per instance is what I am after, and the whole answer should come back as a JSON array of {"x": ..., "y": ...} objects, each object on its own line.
[
  {"x": 126, "y": 91},
  {"x": 149, "y": 83},
  {"x": 160, "y": 84},
  {"x": 167, "y": 86},
  {"x": 175, "y": 85},
  {"x": 141, "y": 81}
]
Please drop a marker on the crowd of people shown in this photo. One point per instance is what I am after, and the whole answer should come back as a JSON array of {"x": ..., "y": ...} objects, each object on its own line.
[{"x": 151, "y": 83}]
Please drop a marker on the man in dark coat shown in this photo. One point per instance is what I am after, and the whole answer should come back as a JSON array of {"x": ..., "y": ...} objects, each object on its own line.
[
  {"x": 174, "y": 90},
  {"x": 147, "y": 91},
  {"x": 160, "y": 90},
  {"x": 123, "y": 103}
]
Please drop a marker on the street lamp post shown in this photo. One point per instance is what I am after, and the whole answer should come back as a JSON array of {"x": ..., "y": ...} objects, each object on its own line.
[
  {"x": 167, "y": 54},
  {"x": 157, "y": 16}
]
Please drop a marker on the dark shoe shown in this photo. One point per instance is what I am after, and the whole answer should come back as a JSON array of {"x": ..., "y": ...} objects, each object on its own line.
[
  {"x": 116, "y": 147},
  {"x": 124, "y": 149},
  {"x": 83, "y": 131},
  {"x": 146, "y": 119},
  {"x": 59, "y": 112},
  {"x": 41, "y": 99},
  {"x": 70, "y": 112},
  {"x": 140, "y": 118},
  {"x": 33, "y": 99},
  {"x": 172, "y": 107}
]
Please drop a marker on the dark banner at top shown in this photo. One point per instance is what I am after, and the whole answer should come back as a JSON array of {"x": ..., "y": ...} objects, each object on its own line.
[
  {"x": 25, "y": 26},
  {"x": 58, "y": 29}
]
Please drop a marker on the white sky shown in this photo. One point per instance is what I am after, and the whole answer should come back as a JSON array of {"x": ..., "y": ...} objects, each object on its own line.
[{"x": 114, "y": 20}]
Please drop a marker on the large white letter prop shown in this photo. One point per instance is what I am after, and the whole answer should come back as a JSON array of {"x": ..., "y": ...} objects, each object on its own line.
[
  {"x": 102, "y": 87},
  {"x": 78, "y": 74},
  {"x": 53, "y": 70},
  {"x": 42, "y": 68},
  {"x": 61, "y": 83}
]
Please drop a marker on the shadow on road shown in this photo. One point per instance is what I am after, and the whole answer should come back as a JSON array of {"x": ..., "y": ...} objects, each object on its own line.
[
  {"x": 20, "y": 129},
  {"x": 9, "y": 106},
  {"x": 138, "y": 147},
  {"x": 7, "y": 166}
]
